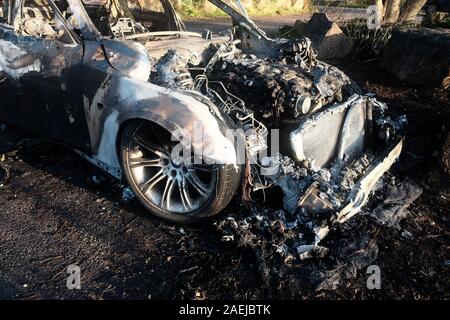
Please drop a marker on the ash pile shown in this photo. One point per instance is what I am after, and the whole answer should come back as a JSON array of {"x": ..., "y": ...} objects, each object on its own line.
[{"x": 286, "y": 242}]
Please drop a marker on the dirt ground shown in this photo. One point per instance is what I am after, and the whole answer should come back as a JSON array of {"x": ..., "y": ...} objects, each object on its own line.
[{"x": 53, "y": 214}]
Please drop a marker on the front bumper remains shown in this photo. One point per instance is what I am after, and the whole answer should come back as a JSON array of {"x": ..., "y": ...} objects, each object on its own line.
[{"x": 357, "y": 197}]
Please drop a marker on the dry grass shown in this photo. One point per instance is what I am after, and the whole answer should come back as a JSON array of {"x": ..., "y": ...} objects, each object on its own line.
[{"x": 202, "y": 8}]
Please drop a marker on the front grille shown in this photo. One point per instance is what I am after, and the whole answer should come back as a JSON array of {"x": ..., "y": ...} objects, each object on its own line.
[{"x": 337, "y": 133}]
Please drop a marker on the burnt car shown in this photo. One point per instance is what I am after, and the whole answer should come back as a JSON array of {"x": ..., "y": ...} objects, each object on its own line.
[{"x": 188, "y": 119}]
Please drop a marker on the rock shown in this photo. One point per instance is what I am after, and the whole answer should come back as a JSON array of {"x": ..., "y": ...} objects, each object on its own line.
[
  {"x": 433, "y": 16},
  {"x": 439, "y": 16},
  {"x": 418, "y": 56},
  {"x": 327, "y": 38}
]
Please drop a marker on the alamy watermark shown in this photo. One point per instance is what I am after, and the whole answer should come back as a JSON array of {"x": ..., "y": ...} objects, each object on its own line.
[
  {"x": 229, "y": 146},
  {"x": 374, "y": 19},
  {"x": 73, "y": 281},
  {"x": 373, "y": 282}
]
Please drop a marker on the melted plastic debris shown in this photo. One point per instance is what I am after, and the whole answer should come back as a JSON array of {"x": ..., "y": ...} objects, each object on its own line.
[
  {"x": 388, "y": 126},
  {"x": 283, "y": 239},
  {"x": 284, "y": 243},
  {"x": 397, "y": 124},
  {"x": 394, "y": 207},
  {"x": 127, "y": 195},
  {"x": 283, "y": 253},
  {"x": 294, "y": 178},
  {"x": 273, "y": 235},
  {"x": 350, "y": 174}
]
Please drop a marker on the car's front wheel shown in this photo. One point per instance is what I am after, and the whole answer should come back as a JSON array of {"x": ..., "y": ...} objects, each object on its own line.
[{"x": 178, "y": 191}]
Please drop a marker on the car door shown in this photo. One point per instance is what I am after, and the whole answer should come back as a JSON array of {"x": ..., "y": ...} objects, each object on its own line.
[{"x": 42, "y": 60}]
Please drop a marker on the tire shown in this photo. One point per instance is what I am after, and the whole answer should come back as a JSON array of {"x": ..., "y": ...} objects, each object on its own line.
[{"x": 173, "y": 191}]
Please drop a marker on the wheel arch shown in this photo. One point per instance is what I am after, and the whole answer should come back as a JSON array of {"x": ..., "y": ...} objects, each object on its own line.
[
  {"x": 179, "y": 112},
  {"x": 175, "y": 129}
]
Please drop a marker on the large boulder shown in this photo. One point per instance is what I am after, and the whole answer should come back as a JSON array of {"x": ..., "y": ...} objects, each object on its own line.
[
  {"x": 326, "y": 36},
  {"x": 418, "y": 56}
]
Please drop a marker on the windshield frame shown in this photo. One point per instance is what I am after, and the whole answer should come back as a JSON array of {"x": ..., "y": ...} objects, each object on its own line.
[{"x": 90, "y": 32}]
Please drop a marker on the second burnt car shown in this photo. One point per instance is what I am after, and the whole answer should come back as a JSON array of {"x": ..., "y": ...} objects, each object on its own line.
[{"x": 126, "y": 87}]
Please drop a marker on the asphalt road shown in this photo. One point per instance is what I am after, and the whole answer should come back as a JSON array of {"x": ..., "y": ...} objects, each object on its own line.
[{"x": 272, "y": 24}]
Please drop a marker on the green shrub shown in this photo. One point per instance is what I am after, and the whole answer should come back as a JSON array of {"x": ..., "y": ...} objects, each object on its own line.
[
  {"x": 368, "y": 44},
  {"x": 444, "y": 24}
]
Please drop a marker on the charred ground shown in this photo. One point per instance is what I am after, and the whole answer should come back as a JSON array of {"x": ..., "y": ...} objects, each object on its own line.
[{"x": 57, "y": 210}]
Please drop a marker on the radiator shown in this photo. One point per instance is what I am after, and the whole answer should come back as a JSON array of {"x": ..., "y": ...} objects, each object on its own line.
[{"x": 336, "y": 134}]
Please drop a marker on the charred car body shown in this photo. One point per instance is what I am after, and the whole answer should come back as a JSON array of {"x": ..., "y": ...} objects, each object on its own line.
[{"x": 118, "y": 91}]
